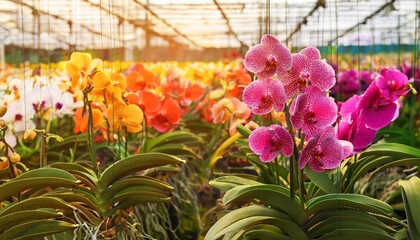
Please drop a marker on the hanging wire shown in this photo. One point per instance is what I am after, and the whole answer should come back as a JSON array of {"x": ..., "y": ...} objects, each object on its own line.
[
  {"x": 268, "y": 17},
  {"x": 23, "y": 64},
  {"x": 358, "y": 49}
]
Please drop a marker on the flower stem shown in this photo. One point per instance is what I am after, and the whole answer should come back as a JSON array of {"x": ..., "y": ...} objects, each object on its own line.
[
  {"x": 43, "y": 151},
  {"x": 91, "y": 137}
]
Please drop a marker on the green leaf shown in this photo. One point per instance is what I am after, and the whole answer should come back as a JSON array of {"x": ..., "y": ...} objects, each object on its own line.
[
  {"x": 176, "y": 149},
  {"x": 410, "y": 190},
  {"x": 35, "y": 203},
  {"x": 16, "y": 186},
  {"x": 37, "y": 229},
  {"x": 135, "y": 181},
  {"x": 225, "y": 183},
  {"x": 12, "y": 219},
  {"x": 134, "y": 164},
  {"x": 321, "y": 180},
  {"x": 273, "y": 196},
  {"x": 354, "y": 201},
  {"x": 171, "y": 137},
  {"x": 46, "y": 172},
  {"x": 352, "y": 234},
  {"x": 394, "y": 150},
  {"x": 249, "y": 216}
]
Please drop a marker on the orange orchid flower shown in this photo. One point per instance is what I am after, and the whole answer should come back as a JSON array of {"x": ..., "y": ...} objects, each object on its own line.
[
  {"x": 140, "y": 78},
  {"x": 78, "y": 68},
  {"x": 147, "y": 100},
  {"x": 81, "y": 119},
  {"x": 110, "y": 86},
  {"x": 236, "y": 82},
  {"x": 168, "y": 116},
  {"x": 194, "y": 92},
  {"x": 122, "y": 115}
]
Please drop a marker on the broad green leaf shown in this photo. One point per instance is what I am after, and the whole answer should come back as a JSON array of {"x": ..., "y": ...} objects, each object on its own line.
[
  {"x": 135, "y": 181},
  {"x": 176, "y": 149},
  {"x": 35, "y": 203},
  {"x": 225, "y": 183},
  {"x": 171, "y": 137},
  {"x": 36, "y": 229},
  {"x": 13, "y": 187},
  {"x": 273, "y": 196},
  {"x": 321, "y": 180},
  {"x": 76, "y": 167},
  {"x": 134, "y": 164},
  {"x": 352, "y": 234},
  {"x": 12, "y": 219},
  {"x": 394, "y": 150},
  {"x": 249, "y": 216},
  {"x": 46, "y": 172},
  {"x": 410, "y": 190},
  {"x": 355, "y": 201}
]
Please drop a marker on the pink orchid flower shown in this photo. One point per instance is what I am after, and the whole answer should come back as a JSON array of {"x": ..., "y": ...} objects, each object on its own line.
[
  {"x": 268, "y": 57},
  {"x": 263, "y": 95},
  {"x": 351, "y": 129},
  {"x": 376, "y": 111},
  {"x": 268, "y": 142},
  {"x": 307, "y": 70},
  {"x": 324, "y": 151},
  {"x": 312, "y": 111},
  {"x": 392, "y": 84}
]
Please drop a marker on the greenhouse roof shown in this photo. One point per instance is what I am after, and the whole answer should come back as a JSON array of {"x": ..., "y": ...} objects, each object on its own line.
[{"x": 200, "y": 24}]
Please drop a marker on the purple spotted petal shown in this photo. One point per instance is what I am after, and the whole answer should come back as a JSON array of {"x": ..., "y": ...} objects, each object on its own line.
[
  {"x": 279, "y": 51},
  {"x": 325, "y": 111},
  {"x": 268, "y": 142},
  {"x": 268, "y": 57},
  {"x": 322, "y": 152},
  {"x": 322, "y": 75},
  {"x": 312, "y": 53},
  {"x": 256, "y": 58},
  {"x": 263, "y": 95}
]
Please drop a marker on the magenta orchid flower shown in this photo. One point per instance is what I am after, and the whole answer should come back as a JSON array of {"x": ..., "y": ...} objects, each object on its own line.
[
  {"x": 312, "y": 111},
  {"x": 392, "y": 84},
  {"x": 351, "y": 129},
  {"x": 264, "y": 94},
  {"x": 268, "y": 57},
  {"x": 307, "y": 70},
  {"x": 348, "y": 83},
  {"x": 268, "y": 142},
  {"x": 324, "y": 151},
  {"x": 376, "y": 111}
]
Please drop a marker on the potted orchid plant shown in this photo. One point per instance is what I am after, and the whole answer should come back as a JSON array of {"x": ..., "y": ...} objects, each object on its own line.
[{"x": 309, "y": 162}]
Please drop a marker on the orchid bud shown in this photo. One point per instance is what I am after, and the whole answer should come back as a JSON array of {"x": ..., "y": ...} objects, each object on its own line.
[
  {"x": 3, "y": 110},
  {"x": 4, "y": 163},
  {"x": 15, "y": 157},
  {"x": 2, "y": 147},
  {"x": 2, "y": 123},
  {"x": 29, "y": 135}
]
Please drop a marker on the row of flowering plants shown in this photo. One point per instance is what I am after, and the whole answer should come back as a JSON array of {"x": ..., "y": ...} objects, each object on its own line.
[
  {"x": 91, "y": 152},
  {"x": 311, "y": 157}
]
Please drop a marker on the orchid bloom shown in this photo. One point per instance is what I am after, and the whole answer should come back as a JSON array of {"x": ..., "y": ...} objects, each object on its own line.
[
  {"x": 312, "y": 111},
  {"x": 268, "y": 142},
  {"x": 323, "y": 151},
  {"x": 308, "y": 70},
  {"x": 79, "y": 68},
  {"x": 81, "y": 119},
  {"x": 228, "y": 108},
  {"x": 265, "y": 94},
  {"x": 351, "y": 129},
  {"x": 122, "y": 115},
  {"x": 268, "y": 57},
  {"x": 167, "y": 117},
  {"x": 376, "y": 111},
  {"x": 140, "y": 78},
  {"x": 392, "y": 84},
  {"x": 147, "y": 100},
  {"x": 108, "y": 86}
]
